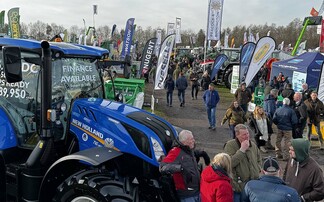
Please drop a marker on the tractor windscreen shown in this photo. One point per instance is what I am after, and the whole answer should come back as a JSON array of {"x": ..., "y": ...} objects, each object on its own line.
[{"x": 71, "y": 78}]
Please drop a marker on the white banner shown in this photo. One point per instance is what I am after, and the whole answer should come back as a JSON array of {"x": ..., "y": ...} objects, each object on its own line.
[
  {"x": 320, "y": 88},
  {"x": 215, "y": 10},
  {"x": 170, "y": 28},
  {"x": 158, "y": 41},
  {"x": 235, "y": 78},
  {"x": 262, "y": 52},
  {"x": 226, "y": 40},
  {"x": 163, "y": 62},
  {"x": 178, "y": 30}
]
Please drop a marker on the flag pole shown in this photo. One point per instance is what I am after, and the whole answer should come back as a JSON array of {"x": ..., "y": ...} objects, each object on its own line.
[{"x": 206, "y": 36}]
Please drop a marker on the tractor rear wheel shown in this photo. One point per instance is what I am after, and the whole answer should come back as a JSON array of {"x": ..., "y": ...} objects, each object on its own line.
[
  {"x": 228, "y": 77},
  {"x": 91, "y": 186}
]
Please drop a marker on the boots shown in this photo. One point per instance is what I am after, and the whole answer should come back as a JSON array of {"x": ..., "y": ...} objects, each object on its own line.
[{"x": 269, "y": 146}]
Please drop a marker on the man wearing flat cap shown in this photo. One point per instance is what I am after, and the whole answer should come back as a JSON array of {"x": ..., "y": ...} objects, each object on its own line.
[{"x": 269, "y": 187}]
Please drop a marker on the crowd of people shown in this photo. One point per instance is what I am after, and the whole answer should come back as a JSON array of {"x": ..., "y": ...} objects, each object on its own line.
[{"x": 239, "y": 173}]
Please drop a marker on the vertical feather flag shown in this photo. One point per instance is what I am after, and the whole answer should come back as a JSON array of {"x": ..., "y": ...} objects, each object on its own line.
[
  {"x": 233, "y": 42},
  {"x": 128, "y": 37},
  {"x": 147, "y": 55},
  {"x": 163, "y": 62},
  {"x": 14, "y": 22},
  {"x": 219, "y": 61},
  {"x": 262, "y": 52},
  {"x": 245, "y": 38},
  {"x": 113, "y": 30},
  {"x": 245, "y": 59},
  {"x": 2, "y": 18}
]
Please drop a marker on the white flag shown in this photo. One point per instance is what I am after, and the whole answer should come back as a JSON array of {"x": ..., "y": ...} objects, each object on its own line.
[
  {"x": 257, "y": 37},
  {"x": 226, "y": 40},
  {"x": 301, "y": 47},
  {"x": 178, "y": 30},
  {"x": 158, "y": 42},
  {"x": 163, "y": 62},
  {"x": 215, "y": 11},
  {"x": 262, "y": 52},
  {"x": 170, "y": 28},
  {"x": 321, "y": 86}
]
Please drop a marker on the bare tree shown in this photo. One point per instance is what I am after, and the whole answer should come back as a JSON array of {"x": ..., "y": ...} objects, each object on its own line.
[{"x": 37, "y": 30}]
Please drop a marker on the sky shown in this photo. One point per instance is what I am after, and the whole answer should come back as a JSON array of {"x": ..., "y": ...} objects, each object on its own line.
[{"x": 158, "y": 13}]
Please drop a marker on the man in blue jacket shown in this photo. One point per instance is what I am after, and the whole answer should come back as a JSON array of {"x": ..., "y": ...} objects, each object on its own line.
[
  {"x": 270, "y": 106},
  {"x": 285, "y": 118},
  {"x": 211, "y": 98},
  {"x": 269, "y": 187}
]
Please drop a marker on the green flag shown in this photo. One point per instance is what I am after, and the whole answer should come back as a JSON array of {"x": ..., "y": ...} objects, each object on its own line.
[
  {"x": 13, "y": 21},
  {"x": 2, "y": 17}
]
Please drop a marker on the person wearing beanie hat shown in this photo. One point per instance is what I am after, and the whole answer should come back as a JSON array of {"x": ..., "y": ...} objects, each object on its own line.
[
  {"x": 303, "y": 173},
  {"x": 269, "y": 187}
]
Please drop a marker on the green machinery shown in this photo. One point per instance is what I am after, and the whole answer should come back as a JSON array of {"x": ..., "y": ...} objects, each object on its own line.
[{"x": 126, "y": 90}]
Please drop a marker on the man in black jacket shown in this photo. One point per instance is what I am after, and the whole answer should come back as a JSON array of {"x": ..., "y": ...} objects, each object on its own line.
[
  {"x": 182, "y": 164},
  {"x": 301, "y": 113}
]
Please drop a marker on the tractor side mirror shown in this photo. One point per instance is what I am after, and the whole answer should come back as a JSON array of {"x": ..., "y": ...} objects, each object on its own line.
[{"x": 11, "y": 61}]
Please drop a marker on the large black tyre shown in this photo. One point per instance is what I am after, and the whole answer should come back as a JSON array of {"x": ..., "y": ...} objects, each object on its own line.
[
  {"x": 228, "y": 77},
  {"x": 91, "y": 186}
]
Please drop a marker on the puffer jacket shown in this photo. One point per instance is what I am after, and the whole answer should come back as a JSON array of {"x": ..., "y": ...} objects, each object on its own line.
[
  {"x": 245, "y": 166},
  {"x": 234, "y": 116},
  {"x": 181, "y": 163},
  {"x": 182, "y": 83},
  {"x": 285, "y": 118},
  {"x": 269, "y": 188},
  {"x": 215, "y": 185},
  {"x": 303, "y": 172}
]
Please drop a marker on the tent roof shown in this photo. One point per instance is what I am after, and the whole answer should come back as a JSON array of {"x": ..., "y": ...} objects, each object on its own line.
[{"x": 301, "y": 62}]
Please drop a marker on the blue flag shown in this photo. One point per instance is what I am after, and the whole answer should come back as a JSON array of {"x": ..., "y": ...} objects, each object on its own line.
[
  {"x": 128, "y": 37},
  {"x": 245, "y": 59},
  {"x": 219, "y": 61}
]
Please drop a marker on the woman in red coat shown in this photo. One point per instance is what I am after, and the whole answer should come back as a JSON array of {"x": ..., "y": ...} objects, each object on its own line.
[{"x": 215, "y": 184}]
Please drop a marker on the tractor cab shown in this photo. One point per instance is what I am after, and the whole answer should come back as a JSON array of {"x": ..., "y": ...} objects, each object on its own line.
[{"x": 72, "y": 77}]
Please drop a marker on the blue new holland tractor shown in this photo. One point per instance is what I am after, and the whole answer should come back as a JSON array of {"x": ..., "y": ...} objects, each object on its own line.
[{"x": 62, "y": 141}]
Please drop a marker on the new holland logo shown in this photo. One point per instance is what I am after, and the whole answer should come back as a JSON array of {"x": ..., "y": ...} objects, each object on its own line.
[
  {"x": 85, "y": 137},
  {"x": 109, "y": 143}
]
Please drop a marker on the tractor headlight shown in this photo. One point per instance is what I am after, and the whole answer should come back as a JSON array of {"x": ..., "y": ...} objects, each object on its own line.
[{"x": 157, "y": 148}]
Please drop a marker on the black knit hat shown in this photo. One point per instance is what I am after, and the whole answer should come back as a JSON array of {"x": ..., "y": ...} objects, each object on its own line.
[{"x": 270, "y": 165}]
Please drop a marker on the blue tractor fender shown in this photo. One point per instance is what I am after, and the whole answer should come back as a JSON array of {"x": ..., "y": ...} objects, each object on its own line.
[{"x": 67, "y": 165}]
